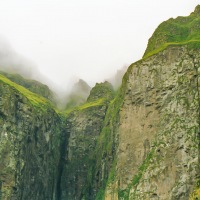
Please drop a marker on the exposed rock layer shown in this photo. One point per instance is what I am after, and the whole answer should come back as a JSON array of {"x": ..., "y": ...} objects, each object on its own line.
[
  {"x": 143, "y": 144},
  {"x": 29, "y": 147}
]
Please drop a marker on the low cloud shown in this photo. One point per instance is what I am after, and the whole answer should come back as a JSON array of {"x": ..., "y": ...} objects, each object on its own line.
[{"x": 12, "y": 62}]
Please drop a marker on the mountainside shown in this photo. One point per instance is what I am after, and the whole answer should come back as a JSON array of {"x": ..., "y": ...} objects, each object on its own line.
[
  {"x": 84, "y": 125},
  {"x": 78, "y": 95},
  {"x": 142, "y": 142},
  {"x": 158, "y": 137},
  {"x": 29, "y": 144},
  {"x": 179, "y": 31},
  {"x": 32, "y": 85}
]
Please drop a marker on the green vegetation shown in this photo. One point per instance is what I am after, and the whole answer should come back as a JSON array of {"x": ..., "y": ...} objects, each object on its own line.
[
  {"x": 100, "y": 195},
  {"x": 100, "y": 95},
  {"x": 75, "y": 100},
  {"x": 32, "y": 85},
  {"x": 98, "y": 102},
  {"x": 195, "y": 195},
  {"x": 173, "y": 32},
  {"x": 100, "y": 90},
  {"x": 192, "y": 44},
  {"x": 124, "y": 194},
  {"x": 34, "y": 99},
  {"x": 105, "y": 145},
  {"x": 87, "y": 105}
]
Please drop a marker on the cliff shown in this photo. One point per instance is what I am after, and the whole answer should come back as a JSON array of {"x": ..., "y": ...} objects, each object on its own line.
[
  {"x": 32, "y": 85},
  {"x": 158, "y": 137},
  {"x": 78, "y": 94},
  {"x": 84, "y": 124},
  {"x": 139, "y": 143},
  {"x": 29, "y": 144},
  {"x": 150, "y": 146}
]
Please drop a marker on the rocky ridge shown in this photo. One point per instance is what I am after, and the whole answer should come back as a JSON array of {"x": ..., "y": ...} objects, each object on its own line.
[{"x": 141, "y": 143}]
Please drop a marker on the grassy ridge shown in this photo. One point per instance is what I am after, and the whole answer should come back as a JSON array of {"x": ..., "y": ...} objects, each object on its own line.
[
  {"x": 32, "y": 85},
  {"x": 179, "y": 31},
  {"x": 194, "y": 44},
  {"x": 34, "y": 99},
  {"x": 86, "y": 105}
]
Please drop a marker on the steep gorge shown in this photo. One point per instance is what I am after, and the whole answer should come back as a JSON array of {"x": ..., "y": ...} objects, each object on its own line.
[{"x": 141, "y": 143}]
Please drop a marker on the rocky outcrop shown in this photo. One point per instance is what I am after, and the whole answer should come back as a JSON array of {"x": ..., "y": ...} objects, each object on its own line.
[
  {"x": 32, "y": 85},
  {"x": 78, "y": 95},
  {"x": 84, "y": 125},
  {"x": 141, "y": 143},
  {"x": 157, "y": 154},
  {"x": 178, "y": 31},
  {"x": 29, "y": 144}
]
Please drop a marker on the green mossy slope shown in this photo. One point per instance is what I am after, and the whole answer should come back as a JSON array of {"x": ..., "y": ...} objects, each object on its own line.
[
  {"x": 32, "y": 85},
  {"x": 179, "y": 31},
  {"x": 34, "y": 99}
]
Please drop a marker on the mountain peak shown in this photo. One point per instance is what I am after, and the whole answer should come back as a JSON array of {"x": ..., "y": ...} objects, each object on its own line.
[
  {"x": 178, "y": 31},
  {"x": 197, "y": 10}
]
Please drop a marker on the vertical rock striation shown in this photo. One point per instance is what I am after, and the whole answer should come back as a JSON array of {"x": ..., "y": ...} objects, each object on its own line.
[
  {"x": 29, "y": 145},
  {"x": 159, "y": 122},
  {"x": 84, "y": 125},
  {"x": 142, "y": 143}
]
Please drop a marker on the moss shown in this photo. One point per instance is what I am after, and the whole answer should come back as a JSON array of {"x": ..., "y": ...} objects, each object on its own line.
[
  {"x": 105, "y": 147},
  {"x": 195, "y": 195},
  {"x": 191, "y": 44},
  {"x": 100, "y": 195},
  {"x": 124, "y": 194},
  {"x": 32, "y": 85},
  {"x": 179, "y": 31},
  {"x": 98, "y": 102},
  {"x": 101, "y": 90},
  {"x": 87, "y": 105},
  {"x": 33, "y": 98}
]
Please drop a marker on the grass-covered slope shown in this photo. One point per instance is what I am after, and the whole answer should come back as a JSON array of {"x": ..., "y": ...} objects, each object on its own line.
[
  {"x": 32, "y": 85},
  {"x": 33, "y": 98},
  {"x": 100, "y": 95},
  {"x": 83, "y": 124},
  {"x": 179, "y": 31},
  {"x": 30, "y": 132}
]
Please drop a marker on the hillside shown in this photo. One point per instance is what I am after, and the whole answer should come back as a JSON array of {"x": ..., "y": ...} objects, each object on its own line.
[
  {"x": 32, "y": 85},
  {"x": 179, "y": 31},
  {"x": 141, "y": 142}
]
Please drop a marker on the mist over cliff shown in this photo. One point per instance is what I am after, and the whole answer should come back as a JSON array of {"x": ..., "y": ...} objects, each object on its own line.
[{"x": 137, "y": 140}]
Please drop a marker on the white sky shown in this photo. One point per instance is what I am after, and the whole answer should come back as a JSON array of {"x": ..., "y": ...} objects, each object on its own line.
[{"x": 88, "y": 39}]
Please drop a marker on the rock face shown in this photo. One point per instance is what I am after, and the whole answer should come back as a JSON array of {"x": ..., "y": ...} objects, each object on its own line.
[
  {"x": 29, "y": 145},
  {"x": 84, "y": 125},
  {"x": 78, "y": 95},
  {"x": 157, "y": 155},
  {"x": 141, "y": 143}
]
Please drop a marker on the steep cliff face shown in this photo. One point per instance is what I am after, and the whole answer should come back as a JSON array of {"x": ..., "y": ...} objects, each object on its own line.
[
  {"x": 142, "y": 143},
  {"x": 157, "y": 155},
  {"x": 29, "y": 144},
  {"x": 84, "y": 125}
]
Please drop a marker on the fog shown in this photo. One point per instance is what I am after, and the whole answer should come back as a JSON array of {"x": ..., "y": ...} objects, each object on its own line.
[
  {"x": 72, "y": 94},
  {"x": 60, "y": 42},
  {"x": 14, "y": 63}
]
